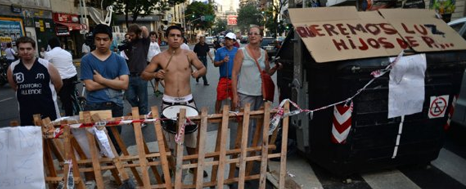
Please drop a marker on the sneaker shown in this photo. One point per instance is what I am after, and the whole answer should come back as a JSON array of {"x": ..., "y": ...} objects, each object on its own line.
[
  {"x": 143, "y": 125},
  {"x": 192, "y": 172},
  {"x": 206, "y": 84}
]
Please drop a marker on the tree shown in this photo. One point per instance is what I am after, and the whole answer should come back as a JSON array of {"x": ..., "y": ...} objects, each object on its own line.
[
  {"x": 219, "y": 26},
  {"x": 138, "y": 8},
  {"x": 195, "y": 10},
  {"x": 248, "y": 15},
  {"x": 277, "y": 27}
]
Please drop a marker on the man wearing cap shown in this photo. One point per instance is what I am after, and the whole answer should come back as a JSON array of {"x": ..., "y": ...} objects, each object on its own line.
[
  {"x": 224, "y": 60},
  {"x": 202, "y": 50},
  {"x": 105, "y": 75}
]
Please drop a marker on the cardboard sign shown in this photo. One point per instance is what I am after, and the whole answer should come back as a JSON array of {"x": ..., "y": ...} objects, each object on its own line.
[
  {"x": 340, "y": 33},
  {"x": 21, "y": 163}
]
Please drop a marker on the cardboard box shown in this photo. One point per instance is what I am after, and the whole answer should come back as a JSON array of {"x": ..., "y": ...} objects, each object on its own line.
[{"x": 341, "y": 33}]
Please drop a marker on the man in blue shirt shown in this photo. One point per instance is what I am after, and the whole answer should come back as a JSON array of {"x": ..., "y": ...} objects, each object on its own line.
[
  {"x": 224, "y": 60},
  {"x": 105, "y": 75}
]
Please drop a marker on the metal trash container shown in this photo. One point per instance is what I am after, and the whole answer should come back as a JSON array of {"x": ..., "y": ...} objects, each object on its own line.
[{"x": 371, "y": 140}]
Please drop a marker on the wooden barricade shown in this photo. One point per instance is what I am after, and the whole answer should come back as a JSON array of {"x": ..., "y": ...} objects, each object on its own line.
[
  {"x": 123, "y": 166},
  {"x": 243, "y": 154}
]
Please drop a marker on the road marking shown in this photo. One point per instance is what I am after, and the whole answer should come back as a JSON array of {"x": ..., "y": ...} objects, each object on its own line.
[
  {"x": 389, "y": 179},
  {"x": 6, "y": 99},
  {"x": 451, "y": 164}
]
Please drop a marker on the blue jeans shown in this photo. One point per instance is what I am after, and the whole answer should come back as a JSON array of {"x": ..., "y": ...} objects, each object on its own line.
[
  {"x": 117, "y": 111},
  {"x": 137, "y": 94},
  {"x": 203, "y": 59}
]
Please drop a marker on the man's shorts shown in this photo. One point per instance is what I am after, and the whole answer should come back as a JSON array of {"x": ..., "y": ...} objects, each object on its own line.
[
  {"x": 190, "y": 140},
  {"x": 224, "y": 89}
]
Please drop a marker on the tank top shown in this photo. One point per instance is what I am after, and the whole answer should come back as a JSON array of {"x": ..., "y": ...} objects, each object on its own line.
[
  {"x": 35, "y": 93},
  {"x": 249, "y": 79}
]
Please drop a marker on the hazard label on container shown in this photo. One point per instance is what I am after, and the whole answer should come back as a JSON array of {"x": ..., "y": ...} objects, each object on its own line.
[{"x": 438, "y": 106}]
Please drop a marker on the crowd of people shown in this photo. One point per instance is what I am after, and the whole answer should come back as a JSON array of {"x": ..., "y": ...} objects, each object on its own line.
[{"x": 110, "y": 74}]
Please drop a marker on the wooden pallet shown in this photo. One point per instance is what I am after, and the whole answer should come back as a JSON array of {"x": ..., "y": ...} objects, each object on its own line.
[{"x": 243, "y": 155}]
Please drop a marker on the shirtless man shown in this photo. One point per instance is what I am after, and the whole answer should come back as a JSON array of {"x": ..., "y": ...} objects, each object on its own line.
[{"x": 176, "y": 70}]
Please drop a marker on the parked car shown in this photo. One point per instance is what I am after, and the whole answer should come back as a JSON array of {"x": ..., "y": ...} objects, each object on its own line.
[
  {"x": 459, "y": 25},
  {"x": 268, "y": 44},
  {"x": 244, "y": 39},
  {"x": 209, "y": 40}
]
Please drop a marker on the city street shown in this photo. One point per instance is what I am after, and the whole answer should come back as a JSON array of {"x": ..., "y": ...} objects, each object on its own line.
[{"x": 448, "y": 171}]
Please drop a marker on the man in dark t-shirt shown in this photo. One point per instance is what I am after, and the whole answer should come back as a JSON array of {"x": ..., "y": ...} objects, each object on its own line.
[
  {"x": 137, "y": 61},
  {"x": 202, "y": 50},
  {"x": 35, "y": 81}
]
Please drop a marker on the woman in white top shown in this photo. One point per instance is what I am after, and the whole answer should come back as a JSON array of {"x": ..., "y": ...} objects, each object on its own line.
[
  {"x": 10, "y": 53},
  {"x": 245, "y": 76}
]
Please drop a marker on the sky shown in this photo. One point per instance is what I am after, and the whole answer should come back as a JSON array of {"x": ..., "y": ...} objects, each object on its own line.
[{"x": 225, "y": 3}]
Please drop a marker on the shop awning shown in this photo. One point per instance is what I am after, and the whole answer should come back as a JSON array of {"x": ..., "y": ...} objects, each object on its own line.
[{"x": 71, "y": 26}]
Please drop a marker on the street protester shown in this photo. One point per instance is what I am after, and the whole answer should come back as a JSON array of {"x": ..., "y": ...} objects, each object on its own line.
[
  {"x": 184, "y": 45},
  {"x": 154, "y": 49},
  {"x": 202, "y": 50},
  {"x": 10, "y": 54},
  {"x": 137, "y": 51},
  {"x": 35, "y": 81},
  {"x": 63, "y": 61},
  {"x": 105, "y": 75},
  {"x": 176, "y": 69},
  {"x": 246, "y": 79},
  {"x": 224, "y": 60}
]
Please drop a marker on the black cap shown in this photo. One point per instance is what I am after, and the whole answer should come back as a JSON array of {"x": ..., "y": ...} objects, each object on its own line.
[{"x": 102, "y": 28}]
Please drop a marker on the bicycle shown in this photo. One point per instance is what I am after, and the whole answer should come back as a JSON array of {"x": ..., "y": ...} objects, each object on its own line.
[{"x": 79, "y": 101}]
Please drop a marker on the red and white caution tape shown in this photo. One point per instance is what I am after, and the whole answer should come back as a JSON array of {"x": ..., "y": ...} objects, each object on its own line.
[{"x": 280, "y": 112}]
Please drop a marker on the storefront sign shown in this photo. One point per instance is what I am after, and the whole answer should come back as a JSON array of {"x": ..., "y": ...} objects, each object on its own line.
[
  {"x": 16, "y": 8},
  {"x": 63, "y": 17},
  {"x": 62, "y": 30},
  {"x": 11, "y": 27},
  {"x": 231, "y": 20},
  {"x": 341, "y": 33}
]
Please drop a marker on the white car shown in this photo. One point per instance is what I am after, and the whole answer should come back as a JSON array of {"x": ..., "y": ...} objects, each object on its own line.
[
  {"x": 459, "y": 25},
  {"x": 209, "y": 41}
]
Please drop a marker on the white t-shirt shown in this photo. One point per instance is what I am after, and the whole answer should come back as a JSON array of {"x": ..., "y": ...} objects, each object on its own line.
[
  {"x": 63, "y": 61},
  {"x": 85, "y": 49},
  {"x": 184, "y": 46},
  {"x": 154, "y": 49},
  {"x": 10, "y": 53}
]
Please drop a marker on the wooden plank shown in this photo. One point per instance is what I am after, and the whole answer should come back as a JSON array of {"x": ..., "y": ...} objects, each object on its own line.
[
  {"x": 180, "y": 150},
  {"x": 229, "y": 152},
  {"x": 244, "y": 146},
  {"x": 94, "y": 153},
  {"x": 237, "y": 146},
  {"x": 228, "y": 181},
  {"x": 162, "y": 148},
  {"x": 141, "y": 152},
  {"x": 48, "y": 158},
  {"x": 201, "y": 149},
  {"x": 223, "y": 143},
  {"x": 124, "y": 151},
  {"x": 284, "y": 148},
  {"x": 153, "y": 168},
  {"x": 213, "y": 177},
  {"x": 265, "y": 144},
  {"x": 67, "y": 154},
  {"x": 255, "y": 141}
]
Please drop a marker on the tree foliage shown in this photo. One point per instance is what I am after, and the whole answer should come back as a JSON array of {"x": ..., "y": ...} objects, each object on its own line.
[
  {"x": 195, "y": 10},
  {"x": 137, "y": 8},
  {"x": 248, "y": 15},
  {"x": 219, "y": 26}
]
